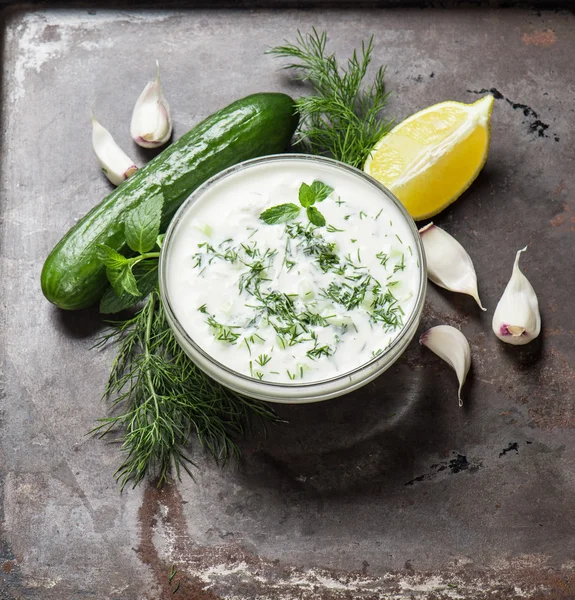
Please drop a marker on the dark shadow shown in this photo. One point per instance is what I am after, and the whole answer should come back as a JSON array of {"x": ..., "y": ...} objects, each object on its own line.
[
  {"x": 78, "y": 324},
  {"x": 463, "y": 304},
  {"x": 484, "y": 198},
  {"x": 288, "y": 77},
  {"x": 145, "y": 155},
  {"x": 525, "y": 356},
  {"x": 364, "y": 442}
]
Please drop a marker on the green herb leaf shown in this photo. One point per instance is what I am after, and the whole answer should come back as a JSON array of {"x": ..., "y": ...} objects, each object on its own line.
[
  {"x": 160, "y": 240},
  {"x": 109, "y": 257},
  {"x": 123, "y": 280},
  {"x": 146, "y": 274},
  {"x": 315, "y": 216},
  {"x": 306, "y": 195},
  {"x": 342, "y": 118},
  {"x": 280, "y": 213},
  {"x": 316, "y": 192},
  {"x": 142, "y": 225},
  {"x": 321, "y": 190}
]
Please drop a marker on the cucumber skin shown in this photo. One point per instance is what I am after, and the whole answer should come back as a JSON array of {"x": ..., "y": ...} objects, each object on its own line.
[{"x": 72, "y": 277}]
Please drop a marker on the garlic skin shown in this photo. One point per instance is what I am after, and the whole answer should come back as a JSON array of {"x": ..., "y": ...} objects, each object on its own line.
[
  {"x": 115, "y": 163},
  {"x": 448, "y": 264},
  {"x": 516, "y": 319},
  {"x": 451, "y": 346},
  {"x": 151, "y": 124}
]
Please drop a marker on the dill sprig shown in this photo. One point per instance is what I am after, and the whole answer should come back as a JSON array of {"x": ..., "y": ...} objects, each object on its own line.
[
  {"x": 343, "y": 118},
  {"x": 162, "y": 401}
]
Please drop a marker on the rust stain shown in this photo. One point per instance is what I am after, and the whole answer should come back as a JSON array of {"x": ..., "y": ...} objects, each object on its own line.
[
  {"x": 545, "y": 417},
  {"x": 542, "y": 380},
  {"x": 146, "y": 549},
  {"x": 563, "y": 217},
  {"x": 238, "y": 573},
  {"x": 561, "y": 585},
  {"x": 7, "y": 566},
  {"x": 182, "y": 586},
  {"x": 560, "y": 189},
  {"x": 556, "y": 381},
  {"x": 545, "y": 38},
  {"x": 245, "y": 576},
  {"x": 564, "y": 361}
]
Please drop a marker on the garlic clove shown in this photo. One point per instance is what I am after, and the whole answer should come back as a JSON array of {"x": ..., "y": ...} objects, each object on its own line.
[
  {"x": 448, "y": 264},
  {"x": 115, "y": 163},
  {"x": 451, "y": 346},
  {"x": 516, "y": 319},
  {"x": 151, "y": 124}
]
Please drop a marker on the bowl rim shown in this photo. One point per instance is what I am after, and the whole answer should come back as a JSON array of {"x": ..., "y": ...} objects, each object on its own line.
[{"x": 289, "y": 156}]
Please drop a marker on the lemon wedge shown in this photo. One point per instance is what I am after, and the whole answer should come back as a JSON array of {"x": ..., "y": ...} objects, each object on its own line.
[{"x": 432, "y": 157}]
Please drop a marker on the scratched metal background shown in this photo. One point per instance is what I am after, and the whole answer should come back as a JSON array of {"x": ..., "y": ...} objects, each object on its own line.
[{"x": 391, "y": 492}]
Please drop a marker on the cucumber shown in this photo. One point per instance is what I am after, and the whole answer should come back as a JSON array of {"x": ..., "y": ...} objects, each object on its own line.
[{"x": 260, "y": 124}]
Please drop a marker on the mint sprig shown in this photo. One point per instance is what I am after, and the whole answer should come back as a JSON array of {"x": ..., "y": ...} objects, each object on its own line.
[
  {"x": 142, "y": 233},
  {"x": 321, "y": 190},
  {"x": 308, "y": 195},
  {"x": 142, "y": 225},
  {"x": 123, "y": 279},
  {"x": 146, "y": 275},
  {"x": 109, "y": 257}
]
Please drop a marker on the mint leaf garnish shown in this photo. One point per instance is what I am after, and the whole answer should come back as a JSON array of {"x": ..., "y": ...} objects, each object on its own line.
[
  {"x": 315, "y": 216},
  {"x": 123, "y": 280},
  {"x": 109, "y": 257},
  {"x": 306, "y": 195},
  {"x": 142, "y": 225},
  {"x": 280, "y": 213},
  {"x": 321, "y": 190},
  {"x": 146, "y": 279}
]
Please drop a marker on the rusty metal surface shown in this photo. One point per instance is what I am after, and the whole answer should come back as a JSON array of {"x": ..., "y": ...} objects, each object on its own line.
[{"x": 391, "y": 492}]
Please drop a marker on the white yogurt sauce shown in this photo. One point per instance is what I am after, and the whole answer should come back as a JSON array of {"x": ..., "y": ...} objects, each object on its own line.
[{"x": 291, "y": 302}]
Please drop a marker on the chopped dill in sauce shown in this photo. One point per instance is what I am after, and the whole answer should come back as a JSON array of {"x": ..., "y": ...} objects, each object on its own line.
[{"x": 288, "y": 300}]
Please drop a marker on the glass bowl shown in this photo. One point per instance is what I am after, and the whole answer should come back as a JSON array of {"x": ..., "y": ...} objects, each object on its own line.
[{"x": 290, "y": 392}]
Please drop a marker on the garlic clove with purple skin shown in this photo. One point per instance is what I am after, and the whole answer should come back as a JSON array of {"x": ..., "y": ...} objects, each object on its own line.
[
  {"x": 517, "y": 320},
  {"x": 151, "y": 124},
  {"x": 448, "y": 264},
  {"x": 452, "y": 347},
  {"x": 115, "y": 163}
]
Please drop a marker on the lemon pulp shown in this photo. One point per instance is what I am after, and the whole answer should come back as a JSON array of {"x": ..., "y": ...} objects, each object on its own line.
[{"x": 432, "y": 157}]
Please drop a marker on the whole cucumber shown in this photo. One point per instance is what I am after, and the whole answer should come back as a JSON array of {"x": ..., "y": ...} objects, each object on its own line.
[{"x": 260, "y": 124}]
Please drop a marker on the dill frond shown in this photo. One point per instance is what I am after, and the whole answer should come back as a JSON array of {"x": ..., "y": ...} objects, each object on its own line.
[
  {"x": 342, "y": 119},
  {"x": 162, "y": 402}
]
